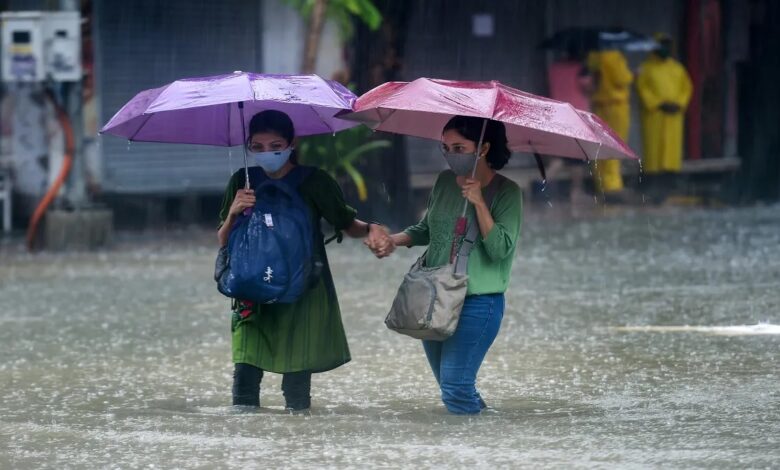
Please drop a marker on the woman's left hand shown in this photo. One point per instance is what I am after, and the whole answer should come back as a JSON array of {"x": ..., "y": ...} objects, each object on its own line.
[
  {"x": 472, "y": 190},
  {"x": 379, "y": 241}
]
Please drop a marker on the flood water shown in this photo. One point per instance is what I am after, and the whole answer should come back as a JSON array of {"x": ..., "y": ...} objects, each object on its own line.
[{"x": 630, "y": 340}]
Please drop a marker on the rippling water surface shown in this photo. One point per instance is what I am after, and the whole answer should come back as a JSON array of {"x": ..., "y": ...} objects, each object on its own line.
[{"x": 632, "y": 340}]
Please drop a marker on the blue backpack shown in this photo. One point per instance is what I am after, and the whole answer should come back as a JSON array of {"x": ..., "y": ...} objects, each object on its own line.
[{"x": 270, "y": 256}]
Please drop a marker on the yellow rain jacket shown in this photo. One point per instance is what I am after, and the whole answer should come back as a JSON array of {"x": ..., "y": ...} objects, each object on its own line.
[
  {"x": 663, "y": 80},
  {"x": 611, "y": 103}
]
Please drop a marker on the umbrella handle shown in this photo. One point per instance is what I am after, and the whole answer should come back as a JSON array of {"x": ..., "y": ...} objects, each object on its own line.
[
  {"x": 476, "y": 161},
  {"x": 243, "y": 144},
  {"x": 459, "y": 232}
]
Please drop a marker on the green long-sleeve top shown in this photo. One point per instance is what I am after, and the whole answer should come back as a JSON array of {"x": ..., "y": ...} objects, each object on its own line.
[{"x": 490, "y": 262}]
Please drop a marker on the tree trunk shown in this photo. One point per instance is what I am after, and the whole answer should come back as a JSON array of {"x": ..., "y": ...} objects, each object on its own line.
[
  {"x": 377, "y": 57},
  {"x": 313, "y": 35}
]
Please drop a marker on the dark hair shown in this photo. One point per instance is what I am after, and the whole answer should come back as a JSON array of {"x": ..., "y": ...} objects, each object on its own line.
[
  {"x": 272, "y": 121},
  {"x": 495, "y": 133}
]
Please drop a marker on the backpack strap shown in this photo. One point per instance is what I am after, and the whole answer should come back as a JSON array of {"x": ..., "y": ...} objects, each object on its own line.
[
  {"x": 298, "y": 175},
  {"x": 256, "y": 176},
  {"x": 289, "y": 184},
  {"x": 462, "y": 259},
  {"x": 293, "y": 179},
  {"x": 338, "y": 237}
]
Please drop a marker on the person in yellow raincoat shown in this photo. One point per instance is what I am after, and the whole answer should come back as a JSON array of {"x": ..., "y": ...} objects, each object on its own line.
[
  {"x": 610, "y": 101},
  {"x": 664, "y": 88}
]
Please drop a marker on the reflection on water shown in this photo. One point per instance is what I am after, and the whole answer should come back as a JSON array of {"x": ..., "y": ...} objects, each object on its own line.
[{"x": 121, "y": 358}]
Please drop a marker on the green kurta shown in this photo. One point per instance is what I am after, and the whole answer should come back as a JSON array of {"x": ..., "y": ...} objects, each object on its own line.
[
  {"x": 490, "y": 262},
  {"x": 308, "y": 334}
]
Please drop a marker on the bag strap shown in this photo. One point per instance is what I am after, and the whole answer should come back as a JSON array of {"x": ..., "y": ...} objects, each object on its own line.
[
  {"x": 462, "y": 259},
  {"x": 290, "y": 182},
  {"x": 256, "y": 176},
  {"x": 298, "y": 175},
  {"x": 293, "y": 179},
  {"x": 338, "y": 237}
]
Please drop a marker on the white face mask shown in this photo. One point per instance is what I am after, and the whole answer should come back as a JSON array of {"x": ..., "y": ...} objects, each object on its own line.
[
  {"x": 271, "y": 162},
  {"x": 462, "y": 164}
]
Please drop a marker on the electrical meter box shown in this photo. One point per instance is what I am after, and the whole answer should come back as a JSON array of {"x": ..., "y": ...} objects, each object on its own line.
[{"x": 37, "y": 46}]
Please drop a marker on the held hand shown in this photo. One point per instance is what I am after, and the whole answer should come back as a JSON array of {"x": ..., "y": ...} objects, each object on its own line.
[
  {"x": 379, "y": 241},
  {"x": 245, "y": 198},
  {"x": 472, "y": 190},
  {"x": 383, "y": 250}
]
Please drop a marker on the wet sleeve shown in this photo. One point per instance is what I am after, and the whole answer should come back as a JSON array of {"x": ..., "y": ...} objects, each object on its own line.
[
  {"x": 227, "y": 199},
  {"x": 507, "y": 213},
  {"x": 649, "y": 99},
  {"x": 420, "y": 232},
  {"x": 330, "y": 202}
]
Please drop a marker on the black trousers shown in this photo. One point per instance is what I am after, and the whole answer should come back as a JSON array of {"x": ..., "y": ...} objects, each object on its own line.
[{"x": 296, "y": 387}]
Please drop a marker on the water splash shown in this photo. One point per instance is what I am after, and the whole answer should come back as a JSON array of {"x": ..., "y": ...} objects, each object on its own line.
[
  {"x": 641, "y": 171},
  {"x": 729, "y": 330}
]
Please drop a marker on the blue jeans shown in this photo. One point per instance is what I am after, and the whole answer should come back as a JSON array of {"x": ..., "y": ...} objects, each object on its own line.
[{"x": 455, "y": 361}]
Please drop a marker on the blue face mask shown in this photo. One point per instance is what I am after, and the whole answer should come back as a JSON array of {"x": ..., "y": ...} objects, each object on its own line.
[{"x": 271, "y": 162}]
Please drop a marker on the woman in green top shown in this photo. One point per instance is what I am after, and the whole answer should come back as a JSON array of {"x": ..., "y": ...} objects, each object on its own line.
[
  {"x": 456, "y": 361},
  {"x": 307, "y": 336}
]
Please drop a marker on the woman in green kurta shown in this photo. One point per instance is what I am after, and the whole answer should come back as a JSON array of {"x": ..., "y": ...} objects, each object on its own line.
[
  {"x": 455, "y": 362},
  {"x": 307, "y": 336}
]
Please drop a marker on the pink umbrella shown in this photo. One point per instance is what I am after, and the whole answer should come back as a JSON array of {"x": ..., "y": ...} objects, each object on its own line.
[
  {"x": 534, "y": 124},
  {"x": 612, "y": 143}
]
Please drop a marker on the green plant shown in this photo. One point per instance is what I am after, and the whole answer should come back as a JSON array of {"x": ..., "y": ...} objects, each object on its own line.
[
  {"x": 339, "y": 154},
  {"x": 343, "y": 12},
  {"x": 315, "y": 12}
]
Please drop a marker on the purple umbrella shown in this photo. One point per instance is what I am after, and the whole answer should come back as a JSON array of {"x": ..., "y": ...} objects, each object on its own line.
[{"x": 211, "y": 110}]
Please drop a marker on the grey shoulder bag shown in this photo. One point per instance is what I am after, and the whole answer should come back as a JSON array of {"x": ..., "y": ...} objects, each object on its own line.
[{"x": 430, "y": 299}]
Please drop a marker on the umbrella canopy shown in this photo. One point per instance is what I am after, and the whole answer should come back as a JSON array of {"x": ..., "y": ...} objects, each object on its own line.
[
  {"x": 611, "y": 142},
  {"x": 534, "y": 124},
  {"x": 585, "y": 39},
  {"x": 207, "y": 110}
]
